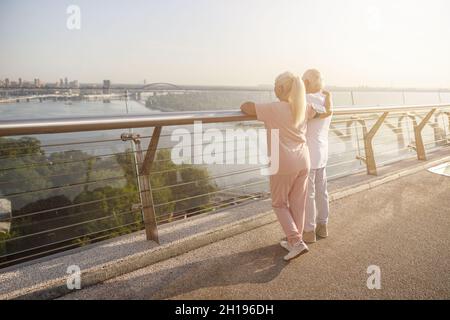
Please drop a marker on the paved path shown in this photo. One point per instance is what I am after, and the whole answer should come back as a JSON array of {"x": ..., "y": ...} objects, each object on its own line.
[{"x": 402, "y": 227}]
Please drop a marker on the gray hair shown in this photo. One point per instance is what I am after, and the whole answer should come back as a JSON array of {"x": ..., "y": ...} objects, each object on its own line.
[{"x": 310, "y": 74}]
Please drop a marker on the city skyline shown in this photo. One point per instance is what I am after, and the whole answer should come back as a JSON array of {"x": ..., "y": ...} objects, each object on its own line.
[
  {"x": 355, "y": 43},
  {"x": 37, "y": 83}
]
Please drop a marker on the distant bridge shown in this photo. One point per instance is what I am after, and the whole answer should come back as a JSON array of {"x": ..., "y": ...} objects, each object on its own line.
[{"x": 161, "y": 86}]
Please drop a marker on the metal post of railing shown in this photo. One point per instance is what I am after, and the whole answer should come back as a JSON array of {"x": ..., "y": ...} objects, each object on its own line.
[
  {"x": 419, "y": 146},
  {"x": 151, "y": 229},
  {"x": 132, "y": 138},
  {"x": 368, "y": 138},
  {"x": 151, "y": 151},
  {"x": 144, "y": 164}
]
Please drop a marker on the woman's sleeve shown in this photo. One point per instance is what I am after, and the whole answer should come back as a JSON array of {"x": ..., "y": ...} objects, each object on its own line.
[{"x": 263, "y": 111}]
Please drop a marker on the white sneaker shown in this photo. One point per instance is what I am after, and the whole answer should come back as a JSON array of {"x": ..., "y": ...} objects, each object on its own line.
[
  {"x": 296, "y": 250},
  {"x": 285, "y": 245}
]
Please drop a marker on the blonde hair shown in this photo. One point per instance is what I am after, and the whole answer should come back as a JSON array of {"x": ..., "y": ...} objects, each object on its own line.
[{"x": 294, "y": 91}]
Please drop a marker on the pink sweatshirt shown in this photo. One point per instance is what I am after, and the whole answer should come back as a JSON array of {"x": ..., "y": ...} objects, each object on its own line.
[{"x": 293, "y": 151}]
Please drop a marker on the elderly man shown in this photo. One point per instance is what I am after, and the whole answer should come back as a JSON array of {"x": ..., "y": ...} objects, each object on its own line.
[{"x": 317, "y": 207}]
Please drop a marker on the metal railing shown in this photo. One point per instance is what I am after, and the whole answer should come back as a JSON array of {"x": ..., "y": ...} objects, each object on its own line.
[{"x": 52, "y": 199}]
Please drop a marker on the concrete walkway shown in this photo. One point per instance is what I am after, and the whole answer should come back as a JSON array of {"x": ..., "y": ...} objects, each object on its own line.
[{"x": 401, "y": 226}]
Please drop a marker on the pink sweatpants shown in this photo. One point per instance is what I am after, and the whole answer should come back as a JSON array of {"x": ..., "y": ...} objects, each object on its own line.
[{"x": 289, "y": 201}]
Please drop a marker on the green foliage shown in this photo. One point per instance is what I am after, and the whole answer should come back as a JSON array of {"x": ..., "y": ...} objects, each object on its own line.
[
  {"x": 3, "y": 238},
  {"x": 205, "y": 100},
  {"x": 74, "y": 198}
]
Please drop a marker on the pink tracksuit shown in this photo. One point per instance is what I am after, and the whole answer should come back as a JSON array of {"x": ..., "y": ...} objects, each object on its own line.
[{"x": 289, "y": 185}]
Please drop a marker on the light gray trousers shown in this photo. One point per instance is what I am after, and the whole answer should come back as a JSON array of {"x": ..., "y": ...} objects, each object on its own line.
[{"x": 317, "y": 205}]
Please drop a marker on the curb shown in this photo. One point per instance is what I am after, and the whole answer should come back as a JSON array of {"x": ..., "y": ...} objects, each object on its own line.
[{"x": 58, "y": 287}]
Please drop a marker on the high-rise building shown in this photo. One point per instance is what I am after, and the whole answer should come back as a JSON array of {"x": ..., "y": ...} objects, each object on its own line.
[
  {"x": 106, "y": 86},
  {"x": 20, "y": 82},
  {"x": 74, "y": 84},
  {"x": 27, "y": 84},
  {"x": 61, "y": 82},
  {"x": 7, "y": 82},
  {"x": 37, "y": 82},
  {"x": 66, "y": 82}
]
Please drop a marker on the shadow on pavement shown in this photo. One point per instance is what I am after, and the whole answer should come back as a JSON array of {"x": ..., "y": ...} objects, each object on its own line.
[{"x": 256, "y": 266}]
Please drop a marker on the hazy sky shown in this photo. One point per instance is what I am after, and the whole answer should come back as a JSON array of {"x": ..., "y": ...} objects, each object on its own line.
[{"x": 228, "y": 42}]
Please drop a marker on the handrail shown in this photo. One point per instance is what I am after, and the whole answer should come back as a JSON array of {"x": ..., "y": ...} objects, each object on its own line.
[{"x": 65, "y": 125}]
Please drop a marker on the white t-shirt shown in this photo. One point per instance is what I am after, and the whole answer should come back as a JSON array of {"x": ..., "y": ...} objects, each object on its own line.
[{"x": 317, "y": 133}]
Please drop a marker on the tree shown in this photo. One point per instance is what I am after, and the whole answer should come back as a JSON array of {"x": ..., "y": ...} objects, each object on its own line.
[{"x": 71, "y": 198}]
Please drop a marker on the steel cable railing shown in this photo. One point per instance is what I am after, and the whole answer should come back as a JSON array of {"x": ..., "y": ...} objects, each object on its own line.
[
  {"x": 63, "y": 195},
  {"x": 53, "y": 163}
]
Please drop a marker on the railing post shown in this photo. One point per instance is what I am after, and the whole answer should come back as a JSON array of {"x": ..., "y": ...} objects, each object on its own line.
[
  {"x": 144, "y": 164},
  {"x": 420, "y": 148},
  {"x": 368, "y": 138},
  {"x": 151, "y": 151}
]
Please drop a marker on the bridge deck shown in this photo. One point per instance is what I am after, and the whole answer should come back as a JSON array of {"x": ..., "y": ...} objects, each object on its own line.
[{"x": 401, "y": 226}]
